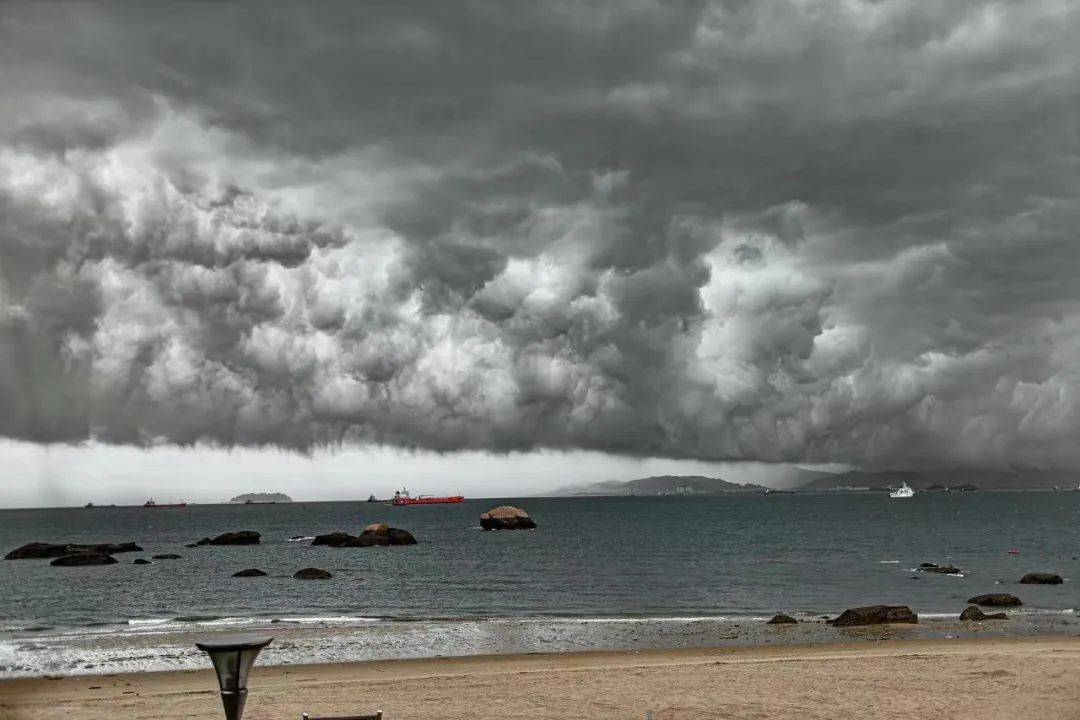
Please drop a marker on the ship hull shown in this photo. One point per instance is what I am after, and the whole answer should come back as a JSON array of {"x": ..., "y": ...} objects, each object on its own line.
[{"x": 398, "y": 502}]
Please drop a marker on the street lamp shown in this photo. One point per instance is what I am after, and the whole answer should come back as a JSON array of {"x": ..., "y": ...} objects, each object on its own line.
[{"x": 233, "y": 656}]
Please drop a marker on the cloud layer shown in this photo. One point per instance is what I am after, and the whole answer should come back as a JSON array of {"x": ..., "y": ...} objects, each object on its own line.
[{"x": 778, "y": 231}]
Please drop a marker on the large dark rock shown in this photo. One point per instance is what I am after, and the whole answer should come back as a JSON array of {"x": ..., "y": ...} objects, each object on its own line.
[
  {"x": 250, "y": 572},
  {"x": 875, "y": 615},
  {"x": 83, "y": 559},
  {"x": 312, "y": 574},
  {"x": 242, "y": 537},
  {"x": 782, "y": 619},
  {"x": 367, "y": 540},
  {"x": 334, "y": 539},
  {"x": 1041, "y": 579},
  {"x": 41, "y": 551},
  {"x": 141, "y": 561},
  {"x": 935, "y": 568},
  {"x": 975, "y": 614},
  {"x": 167, "y": 556},
  {"x": 506, "y": 517},
  {"x": 397, "y": 536},
  {"x": 996, "y": 600},
  {"x": 202, "y": 541}
]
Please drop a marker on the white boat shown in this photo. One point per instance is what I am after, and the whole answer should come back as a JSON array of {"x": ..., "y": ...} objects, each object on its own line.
[{"x": 904, "y": 491}]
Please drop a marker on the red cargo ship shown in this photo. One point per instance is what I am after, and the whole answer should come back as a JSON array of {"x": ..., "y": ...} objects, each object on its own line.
[{"x": 402, "y": 497}]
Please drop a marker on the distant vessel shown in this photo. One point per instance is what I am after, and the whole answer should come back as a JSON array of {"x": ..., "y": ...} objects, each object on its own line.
[
  {"x": 372, "y": 498},
  {"x": 402, "y": 497},
  {"x": 92, "y": 505},
  {"x": 904, "y": 491},
  {"x": 151, "y": 504}
]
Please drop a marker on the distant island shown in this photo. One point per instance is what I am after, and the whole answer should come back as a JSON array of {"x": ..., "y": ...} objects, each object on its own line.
[
  {"x": 661, "y": 485},
  {"x": 261, "y": 498}
]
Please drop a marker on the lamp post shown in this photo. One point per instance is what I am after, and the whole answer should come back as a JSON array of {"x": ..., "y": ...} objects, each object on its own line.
[{"x": 233, "y": 656}]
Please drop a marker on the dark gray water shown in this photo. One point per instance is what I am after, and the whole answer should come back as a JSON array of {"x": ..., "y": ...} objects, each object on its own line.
[{"x": 672, "y": 557}]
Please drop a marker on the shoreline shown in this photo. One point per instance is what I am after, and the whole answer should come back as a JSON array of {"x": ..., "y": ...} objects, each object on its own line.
[
  {"x": 893, "y": 677},
  {"x": 151, "y": 649}
]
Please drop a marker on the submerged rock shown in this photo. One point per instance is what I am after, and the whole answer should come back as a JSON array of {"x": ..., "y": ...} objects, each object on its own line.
[
  {"x": 1041, "y": 579},
  {"x": 506, "y": 517},
  {"x": 975, "y": 614},
  {"x": 203, "y": 541},
  {"x": 141, "y": 561},
  {"x": 996, "y": 600},
  {"x": 875, "y": 615},
  {"x": 83, "y": 559},
  {"x": 334, "y": 539},
  {"x": 250, "y": 572},
  {"x": 192, "y": 545},
  {"x": 782, "y": 619},
  {"x": 935, "y": 568},
  {"x": 166, "y": 556},
  {"x": 242, "y": 537},
  {"x": 41, "y": 551},
  {"x": 367, "y": 540},
  {"x": 312, "y": 574}
]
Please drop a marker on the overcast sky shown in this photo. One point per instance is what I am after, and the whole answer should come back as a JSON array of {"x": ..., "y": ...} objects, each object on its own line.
[{"x": 786, "y": 232}]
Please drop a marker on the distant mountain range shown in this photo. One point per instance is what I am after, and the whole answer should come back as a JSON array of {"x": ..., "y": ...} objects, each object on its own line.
[
  {"x": 1012, "y": 479},
  {"x": 261, "y": 498},
  {"x": 794, "y": 478},
  {"x": 660, "y": 485}
]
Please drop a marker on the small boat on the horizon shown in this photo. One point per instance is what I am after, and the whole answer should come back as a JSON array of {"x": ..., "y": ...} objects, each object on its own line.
[
  {"x": 402, "y": 497},
  {"x": 151, "y": 504},
  {"x": 904, "y": 491}
]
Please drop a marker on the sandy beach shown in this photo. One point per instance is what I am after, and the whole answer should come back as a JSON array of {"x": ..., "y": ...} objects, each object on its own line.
[{"x": 1030, "y": 677}]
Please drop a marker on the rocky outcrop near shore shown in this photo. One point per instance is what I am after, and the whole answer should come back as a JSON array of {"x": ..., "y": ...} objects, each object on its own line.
[
  {"x": 875, "y": 615},
  {"x": 375, "y": 535},
  {"x": 1039, "y": 578},
  {"x": 506, "y": 517},
  {"x": 312, "y": 574},
  {"x": 84, "y": 559},
  {"x": 43, "y": 551},
  {"x": 996, "y": 600},
  {"x": 241, "y": 537},
  {"x": 782, "y": 619},
  {"x": 974, "y": 614}
]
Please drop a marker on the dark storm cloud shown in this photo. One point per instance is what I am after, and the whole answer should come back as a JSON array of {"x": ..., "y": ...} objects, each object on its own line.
[{"x": 839, "y": 231}]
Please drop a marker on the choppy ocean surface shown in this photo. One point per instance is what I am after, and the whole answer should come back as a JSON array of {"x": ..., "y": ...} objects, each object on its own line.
[{"x": 598, "y": 573}]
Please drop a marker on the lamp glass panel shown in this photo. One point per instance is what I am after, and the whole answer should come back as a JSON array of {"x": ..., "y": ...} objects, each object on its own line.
[{"x": 247, "y": 659}]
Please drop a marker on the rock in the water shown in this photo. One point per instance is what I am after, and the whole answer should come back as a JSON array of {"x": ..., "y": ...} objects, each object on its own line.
[
  {"x": 82, "y": 559},
  {"x": 312, "y": 574},
  {"x": 166, "y": 556},
  {"x": 141, "y": 561},
  {"x": 975, "y": 614},
  {"x": 334, "y": 539},
  {"x": 192, "y": 545},
  {"x": 377, "y": 529},
  {"x": 1041, "y": 579},
  {"x": 397, "y": 536},
  {"x": 782, "y": 619},
  {"x": 935, "y": 568},
  {"x": 203, "y": 541},
  {"x": 250, "y": 572},
  {"x": 243, "y": 537},
  {"x": 996, "y": 600},
  {"x": 41, "y": 551},
  {"x": 875, "y": 615},
  {"x": 506, "y": 517},
  {"x": 367, "y": 540}
]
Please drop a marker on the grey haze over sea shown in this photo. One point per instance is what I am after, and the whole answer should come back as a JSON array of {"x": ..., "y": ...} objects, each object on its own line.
[{"x": 599, "y": 572}]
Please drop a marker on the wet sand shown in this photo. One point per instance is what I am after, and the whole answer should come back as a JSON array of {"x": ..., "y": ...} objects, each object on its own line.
[{"x": 1024, "y": 677}]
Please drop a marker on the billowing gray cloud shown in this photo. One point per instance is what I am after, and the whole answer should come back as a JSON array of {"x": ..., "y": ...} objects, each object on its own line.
[{"x": 778, "y": 231}]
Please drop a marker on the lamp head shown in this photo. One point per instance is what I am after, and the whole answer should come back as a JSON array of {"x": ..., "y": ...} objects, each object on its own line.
[{"x": 232, "y": 656}]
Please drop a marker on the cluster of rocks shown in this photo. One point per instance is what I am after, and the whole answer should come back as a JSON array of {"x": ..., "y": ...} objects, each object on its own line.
[
  {"x": 305, "y": 574},
  {"x": 890, "y": 614},
  {"x": 42, "y": 551},
  {"x": 375, "y": 535},
  {"x": 935, "y": 568}
]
